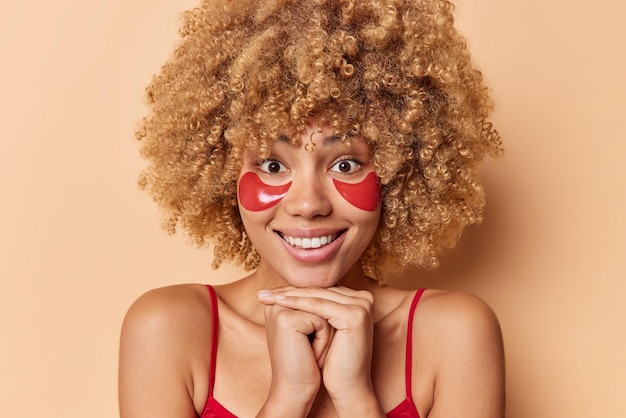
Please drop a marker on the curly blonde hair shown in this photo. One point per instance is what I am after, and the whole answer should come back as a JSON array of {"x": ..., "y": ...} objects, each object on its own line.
[{"x": 395, "y": 72}]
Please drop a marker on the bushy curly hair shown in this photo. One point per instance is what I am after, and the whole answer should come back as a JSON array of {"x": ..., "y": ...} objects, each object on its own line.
[{"x": 395, "y": 72}]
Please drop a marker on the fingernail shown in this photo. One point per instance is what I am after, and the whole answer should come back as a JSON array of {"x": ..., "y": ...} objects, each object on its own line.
[
  {"x": 263, "y": 293},
  {"x": 280, "y": 297}
]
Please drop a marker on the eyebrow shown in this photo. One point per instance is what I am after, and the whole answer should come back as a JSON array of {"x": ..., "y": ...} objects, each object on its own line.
[{"x": 331, "y": 139}]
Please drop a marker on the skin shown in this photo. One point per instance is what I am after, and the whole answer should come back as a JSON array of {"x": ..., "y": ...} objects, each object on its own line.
[{"x": 266, "y": 364}]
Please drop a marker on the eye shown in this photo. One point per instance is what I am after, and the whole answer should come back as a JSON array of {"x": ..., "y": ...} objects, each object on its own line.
[
  {"x": 346, "y": 166},
  {"x": 271, "y": 166}
]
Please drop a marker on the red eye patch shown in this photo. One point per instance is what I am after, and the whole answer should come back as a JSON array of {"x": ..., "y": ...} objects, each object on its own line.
[
  {"x": 256, "y": 196},
  {"x": 364, "y": 195}
]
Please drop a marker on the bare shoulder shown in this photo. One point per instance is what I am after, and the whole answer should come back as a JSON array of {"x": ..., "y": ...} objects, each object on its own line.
[
  {"x": 460, "y": 336},
  {"x": 463, "y": 313},
  {"x": 173, "y": 313},
  {"x": 167, "y": 321},
  {"x": 463, "y": 324},
  {"x": 161, "y": 361},
  {"x": 168, "y": 306}
]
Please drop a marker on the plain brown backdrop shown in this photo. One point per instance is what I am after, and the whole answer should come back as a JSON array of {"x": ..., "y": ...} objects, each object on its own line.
[{"x": 79, "y": 242}]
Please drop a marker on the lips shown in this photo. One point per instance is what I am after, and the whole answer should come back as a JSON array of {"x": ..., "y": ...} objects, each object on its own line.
[{"x": 311, "y": 242}]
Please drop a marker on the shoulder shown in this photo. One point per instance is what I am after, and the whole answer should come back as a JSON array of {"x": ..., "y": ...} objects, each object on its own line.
[
  {"x": 169, "y": 304},
  {"x": 165, "y": 327},
  {"x": 170, "y": 316},
  {"x": 462, "y": 323},
  {"x": 168, "y": 311},
  {"x": 462, "y": 312},
  {"x": 460, "y": 335}
]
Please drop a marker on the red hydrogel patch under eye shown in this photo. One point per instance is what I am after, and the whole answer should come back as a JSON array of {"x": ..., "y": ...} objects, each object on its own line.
[
  {"x": 256, "y": 196},
  {"x": 364, "y": 195}
]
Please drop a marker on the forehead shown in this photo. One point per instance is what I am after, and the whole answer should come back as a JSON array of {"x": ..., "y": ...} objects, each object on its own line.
[
  {"x": 323, "y": 141},
  {"x": 318, "y": 131}
]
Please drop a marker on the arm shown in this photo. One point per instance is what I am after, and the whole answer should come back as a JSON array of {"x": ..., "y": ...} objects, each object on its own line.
[
  {"x": 469, "y": 359},
  {"x": 155, "y": 377}
]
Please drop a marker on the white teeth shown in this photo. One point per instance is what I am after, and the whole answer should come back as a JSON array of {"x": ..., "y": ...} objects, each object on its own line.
[{"x": 306, "y": 243}]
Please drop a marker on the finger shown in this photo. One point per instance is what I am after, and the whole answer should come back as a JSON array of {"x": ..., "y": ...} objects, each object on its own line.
[
  {"x": 284, "y": 318},
  {"x": 341, "y": 316},
  {"x": 341, "y": 295},
  {"x": 322, "y": 339},
  {"x": 359, "y": 294},
  {"x": 312, "y": 327},
  {"x": 265, "y": 296}
]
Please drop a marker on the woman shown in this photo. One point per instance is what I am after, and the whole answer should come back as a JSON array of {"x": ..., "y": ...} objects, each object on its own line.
[{"x": 323, "y": 145}]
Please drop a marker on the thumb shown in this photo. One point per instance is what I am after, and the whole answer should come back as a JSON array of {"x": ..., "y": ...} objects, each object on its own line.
[{"x": 321, "y": 340}]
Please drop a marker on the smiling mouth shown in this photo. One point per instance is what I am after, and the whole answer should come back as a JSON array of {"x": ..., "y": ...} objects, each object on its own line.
[{"x": 310, "y": 242}]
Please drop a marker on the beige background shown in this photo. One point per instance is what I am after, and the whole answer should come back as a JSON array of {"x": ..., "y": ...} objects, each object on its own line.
[{"x": 78, "y": 241}]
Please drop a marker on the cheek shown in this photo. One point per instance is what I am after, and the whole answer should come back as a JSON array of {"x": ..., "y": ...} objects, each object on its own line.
[
  {"x": 255, "y": 196},
  {"x": 364, "y": 195}
]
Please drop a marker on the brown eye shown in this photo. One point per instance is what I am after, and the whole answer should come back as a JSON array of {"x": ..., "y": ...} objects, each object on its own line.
[
  {"x": 271, "y": 166},
  {"x": 346, "y": 166}
]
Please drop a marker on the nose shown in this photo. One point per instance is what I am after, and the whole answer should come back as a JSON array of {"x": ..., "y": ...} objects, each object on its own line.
[{"x": 307, "y": 197}]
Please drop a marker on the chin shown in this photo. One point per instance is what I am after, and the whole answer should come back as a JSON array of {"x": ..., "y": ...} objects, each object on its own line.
[
  {"x": 313, "y": 280},
  {"x": 312, "y": 283}
]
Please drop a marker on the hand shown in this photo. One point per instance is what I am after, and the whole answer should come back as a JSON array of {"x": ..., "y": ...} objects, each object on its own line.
[
  {"x": 346, "y": 360},
  {"x": 295, "y": 361}
]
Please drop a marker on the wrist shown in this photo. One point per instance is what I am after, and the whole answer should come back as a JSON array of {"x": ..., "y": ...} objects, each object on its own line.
[
  {"x": 284, "y": 404},
  {"x": 358, "y": 404},
  {"x": 275, "y": 409}
]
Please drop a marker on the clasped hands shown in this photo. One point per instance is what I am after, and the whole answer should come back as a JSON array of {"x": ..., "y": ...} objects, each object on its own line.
[{"x": 315, "y": 335}]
